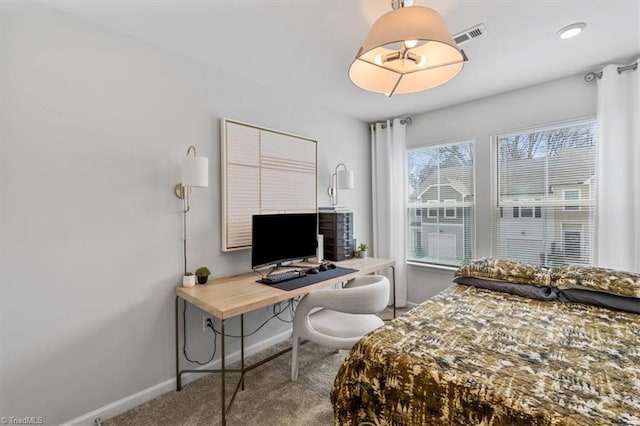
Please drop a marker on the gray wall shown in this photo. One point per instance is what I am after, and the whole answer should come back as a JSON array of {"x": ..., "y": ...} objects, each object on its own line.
[
  {"x": 551, "y": 102},
  {"x": 94, "y": 126}
]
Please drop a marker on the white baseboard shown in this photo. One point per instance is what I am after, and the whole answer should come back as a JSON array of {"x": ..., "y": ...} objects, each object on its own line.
[
  {"x": 127, "y": 403},
  {"x": 411, "y": 305}
]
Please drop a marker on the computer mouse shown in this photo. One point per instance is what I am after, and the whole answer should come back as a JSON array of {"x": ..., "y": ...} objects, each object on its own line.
[
  {"x": 322, "y": 267},
  {"x": 313, "y": 271}
]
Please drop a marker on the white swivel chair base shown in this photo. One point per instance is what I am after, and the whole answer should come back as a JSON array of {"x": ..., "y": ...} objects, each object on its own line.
[
  {"x": 349, "y": 327},
  {"x": 348, "y": 314}
]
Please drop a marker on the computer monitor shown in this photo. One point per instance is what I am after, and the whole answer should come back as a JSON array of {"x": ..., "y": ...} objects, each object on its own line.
[{"x": 278, "y": 238}]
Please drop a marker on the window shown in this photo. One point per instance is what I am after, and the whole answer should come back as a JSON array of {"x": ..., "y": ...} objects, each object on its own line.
[
  {"x": 450, "y": 212},
  {"x": 432, "y": 213},
  {"x": 569, "y": 195},
  {"x": 545, "y": 176},
  {"x": 525, "y": 212},
  {"x": 441, "y": 179}
]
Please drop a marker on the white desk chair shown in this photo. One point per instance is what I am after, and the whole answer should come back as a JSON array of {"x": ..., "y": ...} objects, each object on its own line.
[{"x": 348, "y": 315}]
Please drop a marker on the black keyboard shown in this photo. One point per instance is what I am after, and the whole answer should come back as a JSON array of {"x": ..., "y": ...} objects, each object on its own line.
[{"x": 283, "y": 276}]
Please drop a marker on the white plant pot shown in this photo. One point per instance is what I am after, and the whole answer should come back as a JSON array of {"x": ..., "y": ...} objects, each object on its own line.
[
  {"x": 362, "y": 253},
  {"x": 188, "y": 280}
]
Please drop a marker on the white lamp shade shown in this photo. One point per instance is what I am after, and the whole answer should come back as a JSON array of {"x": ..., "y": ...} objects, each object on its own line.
[
  {"x": 345, "y": 179},
  {"x": 195, "y": 171},
  {"x": 432, "y": 60}
]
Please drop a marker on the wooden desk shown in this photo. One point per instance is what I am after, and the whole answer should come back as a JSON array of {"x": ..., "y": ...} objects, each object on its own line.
[{"x": 229, "y": 297}]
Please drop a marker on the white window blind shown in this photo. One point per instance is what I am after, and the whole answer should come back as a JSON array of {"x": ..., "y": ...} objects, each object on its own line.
[
  {"x": 441, "y": 187},
  {"x": 263, "y": 171},
  {"x": 545, "y": 199}
]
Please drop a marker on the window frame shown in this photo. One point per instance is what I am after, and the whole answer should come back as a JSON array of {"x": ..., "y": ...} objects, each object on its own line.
[
  {"x": 471, "y": 241},
  {"x": 517, "y": 211},
  {"x": 567, "y": 208},
  {"x": 455, "y": 210},
  {"x": 498, "y": 214},
  {"x": 429, "y": 209}
]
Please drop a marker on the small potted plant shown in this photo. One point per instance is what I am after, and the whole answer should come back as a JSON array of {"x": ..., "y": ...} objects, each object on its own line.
[
  {"x": 203, "y": 274},
  {"x": 188, "y": 279},
  {"x": 362, "y": 250}
]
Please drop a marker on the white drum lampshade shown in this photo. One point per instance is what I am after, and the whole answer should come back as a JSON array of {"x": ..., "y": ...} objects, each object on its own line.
[
  {"x": 340, "y": 179},
  {"x": 407, "y": 50},
  {"x": 345, "y": 179},
  {"x": 195, "y": 171}
]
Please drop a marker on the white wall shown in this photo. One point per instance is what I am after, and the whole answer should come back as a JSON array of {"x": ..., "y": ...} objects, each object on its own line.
[
  {"x": 94, "y": 126},
  {"x": 546, "y": 103}
]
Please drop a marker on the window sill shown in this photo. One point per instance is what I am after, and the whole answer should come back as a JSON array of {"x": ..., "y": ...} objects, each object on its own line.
[{"x": 433, "y": 266}]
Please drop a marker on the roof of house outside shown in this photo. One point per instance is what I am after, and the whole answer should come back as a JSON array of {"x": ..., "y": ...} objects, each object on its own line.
[{"x": 459, "y": 177}]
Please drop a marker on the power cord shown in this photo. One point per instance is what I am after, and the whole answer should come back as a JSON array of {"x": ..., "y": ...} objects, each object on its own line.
[
  {"x": 290, "y": 306},
  {"x": 184, "y": 342}
]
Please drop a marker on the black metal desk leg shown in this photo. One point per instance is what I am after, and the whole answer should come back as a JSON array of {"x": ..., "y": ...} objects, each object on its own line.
[
  {"x": 242, "y": 350},
  {"x": 223, "y": 405},
  {"x": 393, "y": 270},
  {"x": 178, "y": 384}
]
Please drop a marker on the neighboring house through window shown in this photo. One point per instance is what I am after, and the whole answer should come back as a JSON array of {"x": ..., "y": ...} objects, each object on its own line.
[
  {"x": 441, "y": 182},
  {"x": 545, "y": 179}
]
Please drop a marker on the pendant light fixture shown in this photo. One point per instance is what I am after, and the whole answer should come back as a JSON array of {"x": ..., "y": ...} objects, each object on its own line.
[{"x": 408, "y": 49}]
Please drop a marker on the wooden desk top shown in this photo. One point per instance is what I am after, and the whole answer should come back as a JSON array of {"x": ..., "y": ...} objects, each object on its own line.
[{"x": 231, "y": 296}]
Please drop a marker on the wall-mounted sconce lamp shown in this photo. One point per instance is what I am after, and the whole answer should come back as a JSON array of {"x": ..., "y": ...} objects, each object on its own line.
[
  {"x": 342, "y": 179},
  {"x": 195, "y": 172}
]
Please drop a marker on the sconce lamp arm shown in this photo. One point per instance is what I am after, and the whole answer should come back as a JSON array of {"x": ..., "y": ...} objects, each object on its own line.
[{"x": 333, "y": 184}]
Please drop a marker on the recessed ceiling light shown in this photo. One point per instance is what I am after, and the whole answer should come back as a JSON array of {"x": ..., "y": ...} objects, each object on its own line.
[{"x": 571, "y": 30}]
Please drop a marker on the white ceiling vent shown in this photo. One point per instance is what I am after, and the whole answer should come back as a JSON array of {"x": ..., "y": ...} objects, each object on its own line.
[{"x": 469, "y": 34}]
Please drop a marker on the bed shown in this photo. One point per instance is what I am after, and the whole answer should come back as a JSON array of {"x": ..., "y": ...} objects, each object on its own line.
[{"x": 477, "y": 356}]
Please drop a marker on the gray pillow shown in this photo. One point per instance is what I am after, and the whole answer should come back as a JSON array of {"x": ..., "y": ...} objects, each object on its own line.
[
  {"x": 524, "y": 290},
  {"x": 598, "y": 298}
]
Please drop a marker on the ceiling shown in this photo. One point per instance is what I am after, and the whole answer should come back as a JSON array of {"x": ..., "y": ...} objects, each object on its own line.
[{"x": 305, "y": 48}]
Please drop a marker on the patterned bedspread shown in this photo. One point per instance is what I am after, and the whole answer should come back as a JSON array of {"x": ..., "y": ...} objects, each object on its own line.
[{"x": 471, "y": 356}]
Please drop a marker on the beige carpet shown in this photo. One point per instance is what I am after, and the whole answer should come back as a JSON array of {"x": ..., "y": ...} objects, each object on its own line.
[{"x": 269, "y": 398}]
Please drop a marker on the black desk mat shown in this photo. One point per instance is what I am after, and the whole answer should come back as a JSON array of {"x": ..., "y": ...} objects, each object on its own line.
[{"x": 312, "y": 278}]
